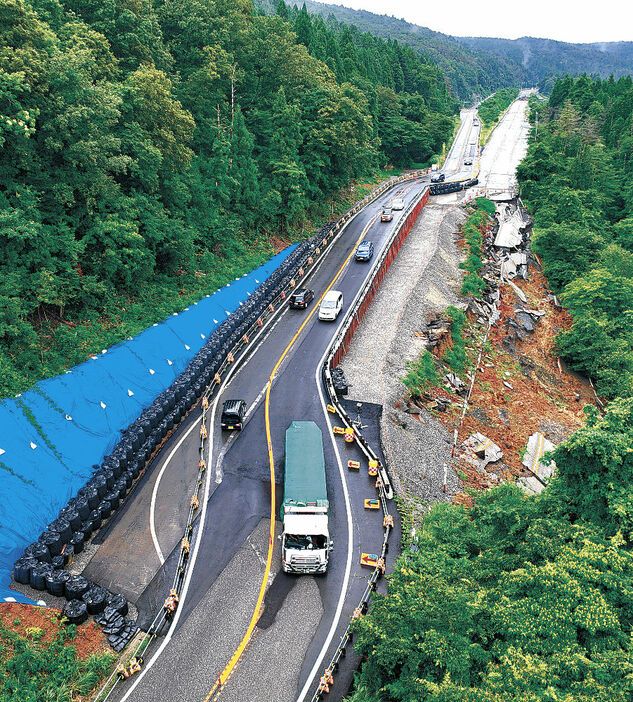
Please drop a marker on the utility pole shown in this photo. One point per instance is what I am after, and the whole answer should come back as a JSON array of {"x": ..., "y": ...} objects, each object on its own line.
[{"x": 536, "y": 133}]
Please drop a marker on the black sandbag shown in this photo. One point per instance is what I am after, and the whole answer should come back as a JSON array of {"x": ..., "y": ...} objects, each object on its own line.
[
  {"x": 86, "y": 529},
  {"x": 146, "y": 426},
  {"x": 134, "y": 467},
  {"x": 118, "y": 603},
  {"x": 40, "y": 551},
  {"x": 53, "y": 540},
  {"x": 22, "y": 569},
  {"x": 38, "y": 574},
  {"x": 114, "y": 498},
  {"x": 72, "y": 516},
  {"x": 169, "y": 422},
  {"x": 144, "y": 453},
  {"x": 114, "y": 626},
  {"x": 77, "y": 541},
  {"x": 56, "y": 581},
  {"x": 58, "y": 561},
  {"x": 116, "y": 463},
  {"x": 190, "y": 398},
  {"x": 135, "y": 437},
  {"x": 75, "y": 612},
  {"x": 176, "y": 415},
  {"x": 94, "y": 520},
  {"x": 105, "y": 509},
  {"x": 125, "y": 481},
  {"x": 76, "y": 586},
  {"x": 98, "y": 482},
  {"x": 95, "y": 599},
  {"x": 87, "y": 502},
  {"x": 62, "y": 527},
  {"x": 108, "y": 474}
]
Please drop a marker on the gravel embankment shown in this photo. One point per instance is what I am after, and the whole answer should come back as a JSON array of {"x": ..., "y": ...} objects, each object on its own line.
[{"x": 422, "y": 280}]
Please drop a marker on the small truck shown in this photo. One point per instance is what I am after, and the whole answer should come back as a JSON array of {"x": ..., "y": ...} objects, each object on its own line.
[{"x": 306, "y": 541}]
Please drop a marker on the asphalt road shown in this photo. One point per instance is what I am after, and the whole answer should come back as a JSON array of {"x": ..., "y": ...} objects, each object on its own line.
[
  {"x": 302, "y": 614},
  {"x": 229, "y": 566}
]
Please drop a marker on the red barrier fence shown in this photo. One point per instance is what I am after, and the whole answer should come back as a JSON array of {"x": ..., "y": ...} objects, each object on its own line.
[{"x": 380, "y": 273}]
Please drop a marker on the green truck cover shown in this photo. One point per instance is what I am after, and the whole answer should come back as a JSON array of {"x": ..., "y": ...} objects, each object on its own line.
[{"x": 305, "y": 467}]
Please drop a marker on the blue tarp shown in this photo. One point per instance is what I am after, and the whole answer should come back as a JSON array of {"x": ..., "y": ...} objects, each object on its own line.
[{"x": 52, "y": 435}]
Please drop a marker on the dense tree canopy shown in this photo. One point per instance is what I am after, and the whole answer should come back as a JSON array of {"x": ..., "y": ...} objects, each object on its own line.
[
  {"x": 520, "y": 598},
  {"x": 147, "y": 146},
  {"x": 577, "y": 181}
]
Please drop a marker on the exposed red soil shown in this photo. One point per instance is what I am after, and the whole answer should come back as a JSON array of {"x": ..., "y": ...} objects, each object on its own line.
[
  {"x": 544, "y": 396},
  {"x": 89, "y": 639}
]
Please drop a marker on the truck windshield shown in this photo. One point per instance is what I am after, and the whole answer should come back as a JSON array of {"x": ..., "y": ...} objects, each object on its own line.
[{"x": 302, "y": 542}]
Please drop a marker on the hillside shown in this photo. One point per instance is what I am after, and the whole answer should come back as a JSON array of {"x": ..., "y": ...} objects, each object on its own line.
[
  {"x": 481, "y": 65},
  {"x": 467, "y": 71},
  {"x": 150, "y": 153},
  {"x": 542, "y": 59}
]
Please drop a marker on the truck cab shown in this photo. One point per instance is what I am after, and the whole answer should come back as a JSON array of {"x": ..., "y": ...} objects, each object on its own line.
[{"x": 306, "y": 544}]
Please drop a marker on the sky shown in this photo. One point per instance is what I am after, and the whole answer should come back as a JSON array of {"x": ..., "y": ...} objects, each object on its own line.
[{"x": 579, "y": 21}]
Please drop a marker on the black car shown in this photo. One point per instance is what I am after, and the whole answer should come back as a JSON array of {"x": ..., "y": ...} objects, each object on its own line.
[
  {"x": 301, "y": 298},
  {"x": 437, "y": 177},
  {"x": 233, "y": 413},
  {"x": 364, "y": 251}
]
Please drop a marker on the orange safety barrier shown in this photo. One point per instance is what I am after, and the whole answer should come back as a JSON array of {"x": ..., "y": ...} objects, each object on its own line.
[
  {"x": 203, "y": 431},
  {"x": 387, "y": 521}
]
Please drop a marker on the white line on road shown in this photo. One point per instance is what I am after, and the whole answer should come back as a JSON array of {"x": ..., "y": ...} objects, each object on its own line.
[
  {"x": 152, "y": 506},
  {"x": 350, "y": 538}
]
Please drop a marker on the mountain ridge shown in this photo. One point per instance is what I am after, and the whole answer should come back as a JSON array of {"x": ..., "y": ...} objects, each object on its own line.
[{"x": 478, "y": 65}]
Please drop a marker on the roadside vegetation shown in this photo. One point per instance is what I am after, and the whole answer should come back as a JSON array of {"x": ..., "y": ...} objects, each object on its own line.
[
  {"x": 472, "y": 233},
  {"x": 576, "y": 180},
  {"x": 42, "y": 658},
  {"x": 492, "y": 108},
  {"x": 517, "y": 598},
  {"x": 150, "y": 152}
]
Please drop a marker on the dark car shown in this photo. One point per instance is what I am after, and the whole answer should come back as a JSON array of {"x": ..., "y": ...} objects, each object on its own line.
[
  {"x": 233, "y": 413},
  {"x": 301, "y": 298},
  {"x": 364, "y": 251},
  {"x": 387, "y": 215},
  {"x": 437, "y": 177}
]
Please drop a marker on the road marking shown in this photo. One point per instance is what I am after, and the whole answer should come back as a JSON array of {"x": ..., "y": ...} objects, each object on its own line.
[
  {"x": 152, "y": 506},
  {"x": 350, "y": 544},
  {"x": 228, "y": 669}
]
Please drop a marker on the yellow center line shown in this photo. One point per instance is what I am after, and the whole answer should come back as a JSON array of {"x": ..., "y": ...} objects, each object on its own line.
[{"x": 226, "y": 673}]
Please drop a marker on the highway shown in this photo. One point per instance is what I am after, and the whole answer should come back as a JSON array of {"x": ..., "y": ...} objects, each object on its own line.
[{"x": 303, "y": 617}]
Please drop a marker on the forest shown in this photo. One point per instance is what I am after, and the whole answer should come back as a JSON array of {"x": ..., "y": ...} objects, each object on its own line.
[
  {"x": 151, "y": 151},
  {"x": 576, "y": 180},
  {"x": 524, "y": 598}
]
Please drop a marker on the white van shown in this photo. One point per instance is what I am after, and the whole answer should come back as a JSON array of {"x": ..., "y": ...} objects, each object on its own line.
[{"x": 331, "y": 305}]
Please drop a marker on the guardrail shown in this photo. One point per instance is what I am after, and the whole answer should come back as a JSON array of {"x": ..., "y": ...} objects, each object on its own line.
[
  {"x": 304, "y": 263},
  {"x": 338, "y": 349}
]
